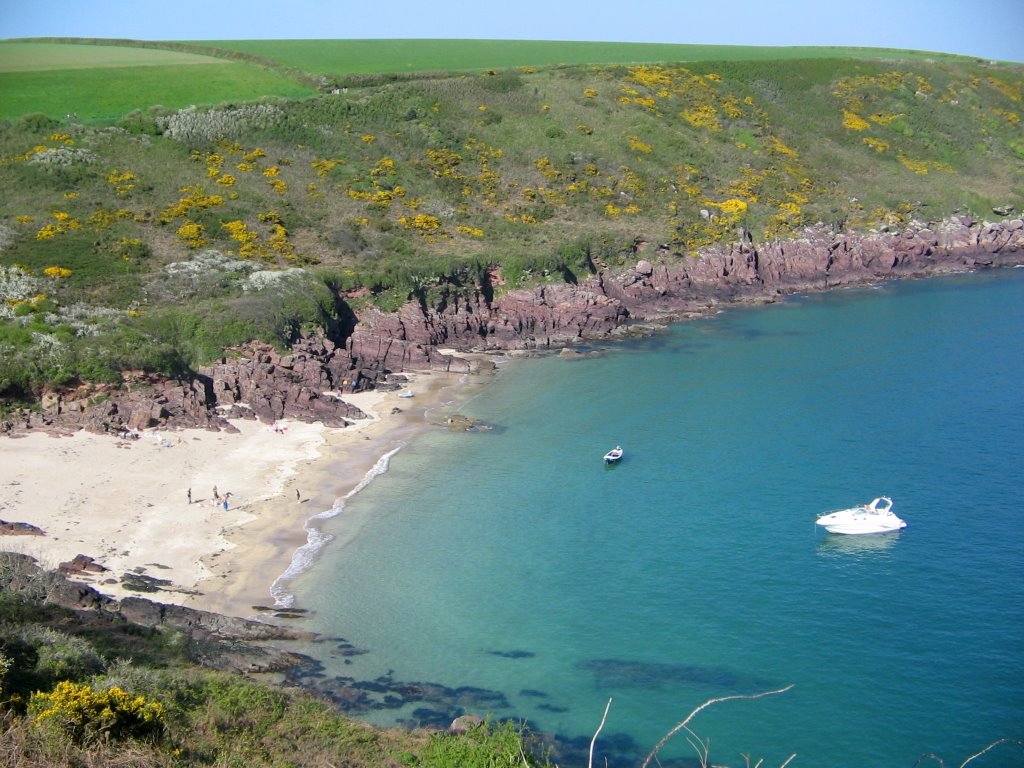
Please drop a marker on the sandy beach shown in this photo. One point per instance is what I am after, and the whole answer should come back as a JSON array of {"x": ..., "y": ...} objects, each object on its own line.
[{"x": 147, "y": 506}]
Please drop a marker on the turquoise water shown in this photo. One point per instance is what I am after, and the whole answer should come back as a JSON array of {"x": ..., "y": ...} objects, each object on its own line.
[{"x": 511, "y": 571}]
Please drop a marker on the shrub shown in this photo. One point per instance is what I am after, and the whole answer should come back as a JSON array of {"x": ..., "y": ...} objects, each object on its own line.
[
  {"x": 485, "y": 746},
  {"x": 60, "y": 656},
  {"x": 87, "y": 715}
]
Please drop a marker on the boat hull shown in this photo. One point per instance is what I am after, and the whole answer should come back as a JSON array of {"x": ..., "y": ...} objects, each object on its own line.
[{"x": 854, "y": 529}]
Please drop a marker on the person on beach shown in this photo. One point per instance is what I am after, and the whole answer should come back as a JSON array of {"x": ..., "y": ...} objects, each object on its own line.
[
  {"x": 298, "y": 496},
  {"x": 189, "y": 495},
  {"x": 216, "y": 496}
]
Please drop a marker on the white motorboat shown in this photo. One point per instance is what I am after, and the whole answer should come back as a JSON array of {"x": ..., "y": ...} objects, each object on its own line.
[
  {"x": 406, "y": 393},
  {"x": 876, "y": 517},
  {"x": 613, "y": 455}
]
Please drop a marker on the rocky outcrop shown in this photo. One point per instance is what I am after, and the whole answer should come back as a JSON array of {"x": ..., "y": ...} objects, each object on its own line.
[
  {"x": 310, "y": 381},
  {"x": 554, "y": 316},
  {"x": 20, "y": 529},
  {"x": 80, "y": 564},
  {"x": 220, "y": 642}
]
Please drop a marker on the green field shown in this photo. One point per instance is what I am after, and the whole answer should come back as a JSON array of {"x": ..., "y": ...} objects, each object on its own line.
[
  {"x": 103, "y": 94},
  {"x": 102, "y": 82},
  {"x": 32, "y": 57},
  {"x": 379, "y": 56}
]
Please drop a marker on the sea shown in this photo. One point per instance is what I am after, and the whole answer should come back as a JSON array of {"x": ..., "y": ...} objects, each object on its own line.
[{"x": 509, "y": 572}]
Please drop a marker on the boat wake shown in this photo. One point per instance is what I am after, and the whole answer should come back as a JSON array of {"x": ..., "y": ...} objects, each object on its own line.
[{"x": 316, "y": 539}]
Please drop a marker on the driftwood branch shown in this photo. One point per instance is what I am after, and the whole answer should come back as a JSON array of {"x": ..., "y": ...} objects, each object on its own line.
[
  {"x": 590, "y": 762},
  {"x": 685, "y": 723},
  {"x": 993, "y": 745}
]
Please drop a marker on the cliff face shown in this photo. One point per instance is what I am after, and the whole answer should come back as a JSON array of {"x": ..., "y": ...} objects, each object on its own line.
[
  {"x": 556, "y": 315},
  {"x": 310, "y": 381}
]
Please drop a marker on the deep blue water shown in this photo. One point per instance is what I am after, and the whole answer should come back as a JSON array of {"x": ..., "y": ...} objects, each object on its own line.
[{"x": 515, "y": 562}]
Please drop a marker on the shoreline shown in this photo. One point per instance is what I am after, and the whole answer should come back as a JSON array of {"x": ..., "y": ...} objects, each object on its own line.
[
  {"x": 344, "y": 460},
  {"x": 124, "y": 502},
  {"x": 143, "y": 508}
]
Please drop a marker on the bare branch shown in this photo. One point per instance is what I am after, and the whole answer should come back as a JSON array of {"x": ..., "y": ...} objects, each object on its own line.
[
  {"x": 702, "y": 707},
  {"x": 993, "y": 745},
  {"x": 590, "y": 762},
  {"x": 789, "y": 760}
]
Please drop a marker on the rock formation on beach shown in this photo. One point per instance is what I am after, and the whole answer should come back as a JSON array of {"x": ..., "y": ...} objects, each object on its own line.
[
  {"x": 309, "y": 381},
  {"x": 220, "y": 642}
]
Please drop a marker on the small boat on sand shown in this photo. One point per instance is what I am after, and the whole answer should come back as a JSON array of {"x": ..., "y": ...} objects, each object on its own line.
[
  {"x": 406, "y": 393},
  {"x": 613, "y": 455},
  {"x": 876, "y": 517}
]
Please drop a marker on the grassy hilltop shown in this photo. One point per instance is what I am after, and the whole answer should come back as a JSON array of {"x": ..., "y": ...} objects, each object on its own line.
[{"x": 321, "y": 179}]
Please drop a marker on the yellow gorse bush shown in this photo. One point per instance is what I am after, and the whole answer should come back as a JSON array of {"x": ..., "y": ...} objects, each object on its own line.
[
  {"x": 123, "y": 182},
  {"x": 193, "y": 197},
  {"x": 57, "y": 272},
  {"x": 85, "y": 713},
  {"x": 192, "y": 233},
  {"x": 854, "y": 122},
  {"x": 639, "y": 146},
  {"x": 63, "y": 222}
]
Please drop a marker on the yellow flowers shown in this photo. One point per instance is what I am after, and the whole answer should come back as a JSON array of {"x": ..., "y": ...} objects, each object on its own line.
[
  {"x": 471, "y": 231},
  {"x": 1011, "y": 117},
  {"x": 704, "y": 116},
  {"x": 63, "y": 222},
  {"x": 193, "y": 198},
  {"x": 590, "y": 93},
  {"x": 368, "y": 138},
  {"x": 384, "y": 167},
  {"x": 638, "y": 146},
  {"x": 1011, "y": 91},
  {"x": 423, "y": 223},
  {"x": 57, "y": 272},
  {"x": 323, "y": 167},
  {"x": 922, "y": 167},
  {"x": 192, "y": 234},
  {"x": 776, "y": 145},
  {"x": 123, "y": 182},
  {"x": 876, "y": 144},
  {"x": 85, "y": 713},
  {"x": 547, "y": 168},
  {"x": 854, "y": 122},
  {"x": 733, "y": 208}
]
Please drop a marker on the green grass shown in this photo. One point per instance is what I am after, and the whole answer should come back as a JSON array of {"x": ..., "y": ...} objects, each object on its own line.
[
  {"x": 397, "y": 56},
  {"x": 102, "y": 94},
  {"x": 417, "y": 187},
  {"x": 31, "y": 57}
]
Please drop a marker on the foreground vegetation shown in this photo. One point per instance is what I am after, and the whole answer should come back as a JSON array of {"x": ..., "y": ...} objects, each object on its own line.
[
  {"x": 160, "y": 239},
  {"x": 77, "y": 690}
]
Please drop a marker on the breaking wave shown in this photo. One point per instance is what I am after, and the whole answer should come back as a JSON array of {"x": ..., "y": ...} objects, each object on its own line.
[{"x": 316, "y": 539}]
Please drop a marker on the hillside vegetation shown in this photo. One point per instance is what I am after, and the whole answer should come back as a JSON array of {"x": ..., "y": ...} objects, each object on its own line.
[
  {"x": 160, "y": 238},
  {"x": 84, "y": 690}
]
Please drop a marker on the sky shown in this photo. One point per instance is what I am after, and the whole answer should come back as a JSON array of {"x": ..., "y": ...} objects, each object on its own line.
[{"x": 990, "y": 29}]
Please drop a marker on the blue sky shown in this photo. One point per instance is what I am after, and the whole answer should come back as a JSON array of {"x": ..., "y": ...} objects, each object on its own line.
[{"x": 984, "y": 28}]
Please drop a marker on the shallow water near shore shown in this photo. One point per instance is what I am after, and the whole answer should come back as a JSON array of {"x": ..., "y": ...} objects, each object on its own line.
[{"x": 512, "y": 572}]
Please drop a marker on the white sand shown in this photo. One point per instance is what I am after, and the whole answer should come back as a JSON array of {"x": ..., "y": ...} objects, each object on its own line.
[{"x": 125, "y": 503}]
